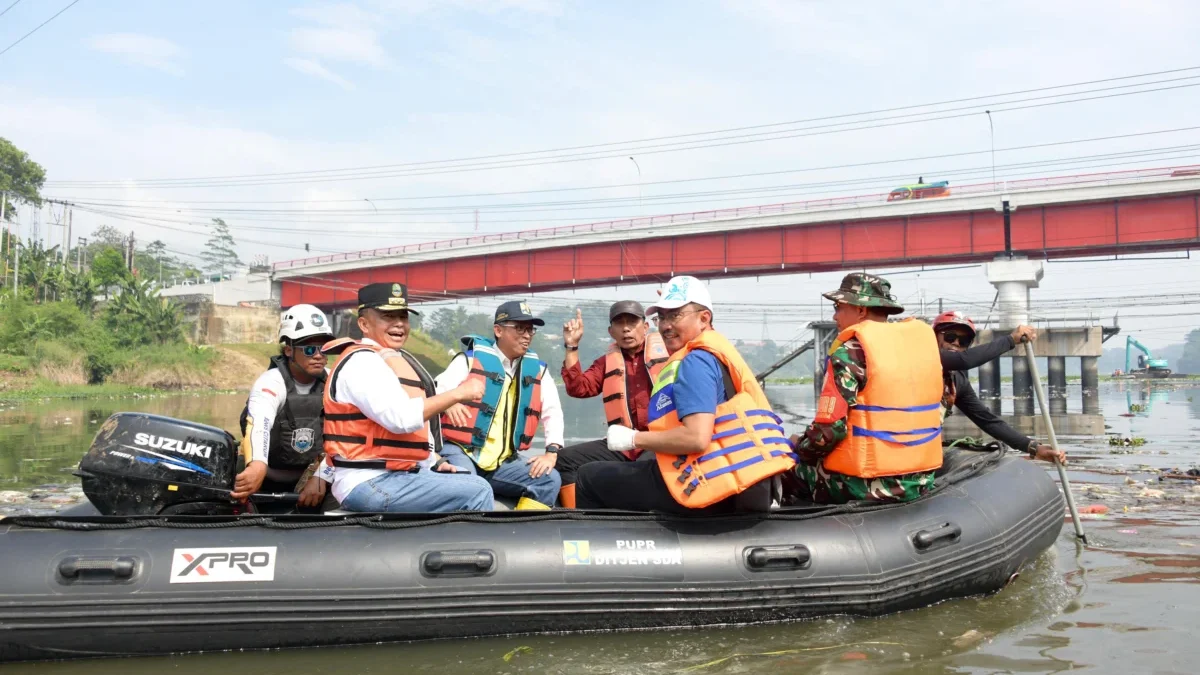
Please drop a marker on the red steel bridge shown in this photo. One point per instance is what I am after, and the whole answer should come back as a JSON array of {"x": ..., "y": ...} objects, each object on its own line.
[{"x": 1061, "y": 217}]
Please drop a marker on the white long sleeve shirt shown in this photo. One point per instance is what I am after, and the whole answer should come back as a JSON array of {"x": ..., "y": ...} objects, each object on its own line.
[
  {"x": 265, "y": 404},
  {"x": 552, "y": 414},
  {"x": 367, "y": 383}
]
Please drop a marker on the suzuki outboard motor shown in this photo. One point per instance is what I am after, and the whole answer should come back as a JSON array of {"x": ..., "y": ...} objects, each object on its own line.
[{"x": 141, "y": 464}]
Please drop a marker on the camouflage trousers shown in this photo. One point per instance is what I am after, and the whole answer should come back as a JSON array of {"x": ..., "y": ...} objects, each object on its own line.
[{"x": 828, "y": 487}]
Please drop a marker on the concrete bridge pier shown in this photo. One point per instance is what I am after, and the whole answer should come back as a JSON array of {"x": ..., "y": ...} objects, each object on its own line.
[
  {"x": 1090, "y": 379},
  {"x": 989, "y": 385},
  {"x": 1013, "y": 277},
  {"x": 1056, "y": 392},
  {"x": 1022, "y": 383}
]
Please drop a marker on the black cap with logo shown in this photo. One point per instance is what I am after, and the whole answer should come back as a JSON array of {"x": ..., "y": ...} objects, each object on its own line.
[
  {"x": 385, "y": 298},
  {"x": 517, "y": 310}
]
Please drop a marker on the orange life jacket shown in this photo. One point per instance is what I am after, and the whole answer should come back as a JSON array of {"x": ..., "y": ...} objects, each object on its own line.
[
  {"x": 614, "y": 392},
  {"x": 353, "y": 440},
  {"x": 895, "y": 427},
  {"x": 748, "y": 442}
]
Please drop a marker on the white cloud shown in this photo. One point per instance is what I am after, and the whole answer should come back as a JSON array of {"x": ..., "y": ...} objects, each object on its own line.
[
  {"x": 344, "y": 32},
  {"x": 309, "y": 67},
  {"x": 546, "y": 7},
  {"x": 143, "y": 50}
]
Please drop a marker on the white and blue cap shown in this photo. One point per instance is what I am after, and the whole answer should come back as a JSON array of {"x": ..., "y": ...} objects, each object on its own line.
[{"x": 682, "y": 291}]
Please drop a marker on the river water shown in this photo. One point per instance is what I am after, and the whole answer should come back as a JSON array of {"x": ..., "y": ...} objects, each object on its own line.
[{"x": 1129, "y": 603}]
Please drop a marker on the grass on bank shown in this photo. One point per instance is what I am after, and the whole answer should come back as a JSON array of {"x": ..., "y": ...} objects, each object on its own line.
[
  {"x": 41, "y": 389},
  {"x": 56, "y": 370}
]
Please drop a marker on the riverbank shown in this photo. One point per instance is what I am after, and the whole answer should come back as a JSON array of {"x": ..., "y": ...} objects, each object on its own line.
[{"x": 158, "y": 371}]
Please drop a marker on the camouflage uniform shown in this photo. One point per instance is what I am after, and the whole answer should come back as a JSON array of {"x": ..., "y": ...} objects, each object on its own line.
[{"x": 845, "y": 376}]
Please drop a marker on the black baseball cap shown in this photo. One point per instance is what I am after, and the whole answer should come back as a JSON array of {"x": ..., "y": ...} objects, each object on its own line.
[
  {"x": 517, "y": 310},
  {"x": 626, "y": 307},
  {"x": 385, "y": 298}
]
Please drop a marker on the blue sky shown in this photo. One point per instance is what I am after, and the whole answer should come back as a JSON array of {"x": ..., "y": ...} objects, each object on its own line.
[{"x": 146, "y": 90}]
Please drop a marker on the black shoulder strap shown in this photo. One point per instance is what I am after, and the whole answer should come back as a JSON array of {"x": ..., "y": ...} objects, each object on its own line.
[
  {"x": 426, "y": 380},
  {"x": 289, "y": 386},
  {"x": 337, "y": 370},
  {"x": 280, "y": 363},
  {"x": 730, "y": 390}
]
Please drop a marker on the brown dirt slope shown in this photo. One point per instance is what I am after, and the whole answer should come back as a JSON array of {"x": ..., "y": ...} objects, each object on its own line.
[{"x": 235, "y": 369}]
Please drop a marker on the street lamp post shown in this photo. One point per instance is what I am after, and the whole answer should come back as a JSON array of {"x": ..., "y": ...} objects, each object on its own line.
[
  {"x": 992, "y": 136},
  {"x": 641, "y": 205}
]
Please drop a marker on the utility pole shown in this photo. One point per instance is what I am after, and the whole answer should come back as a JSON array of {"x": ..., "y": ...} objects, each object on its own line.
[
  {"x": 67, "y": 241},
  {"x": 129, "y": 260},
  {"x": 62, "y": 249},
  {"x": 7, "y": 245},
  {"x": 79, "y": 249},
  {"x": 17, "y": 262}
]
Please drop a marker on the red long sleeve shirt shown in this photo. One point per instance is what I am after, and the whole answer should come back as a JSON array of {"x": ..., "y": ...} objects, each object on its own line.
[{"x": 588, "y": 383}]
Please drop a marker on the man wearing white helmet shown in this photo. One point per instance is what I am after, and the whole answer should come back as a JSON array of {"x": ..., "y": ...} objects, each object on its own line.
[{"x": 282, "y": 419}]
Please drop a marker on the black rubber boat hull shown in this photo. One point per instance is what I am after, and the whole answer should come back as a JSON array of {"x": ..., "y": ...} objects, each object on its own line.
[{"x": 507, "y": 573}]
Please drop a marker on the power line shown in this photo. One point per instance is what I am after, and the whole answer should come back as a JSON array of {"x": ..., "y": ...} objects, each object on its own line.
[
  {"x": 152, "y": 223},
  {"x": 1151, "y": 154},
  {"x": 39, "y": 26},
  {"x": 431, "y": 168},
  {"x": 651, "y": 183},
  {"x": 15, "y": 3}
]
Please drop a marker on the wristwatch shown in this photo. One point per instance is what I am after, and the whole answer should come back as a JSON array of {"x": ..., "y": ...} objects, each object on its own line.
[
  {"x": 1032, "y": 449},
  {"x": 571, "y": 348},
  {"x": 553, "y": 448}
]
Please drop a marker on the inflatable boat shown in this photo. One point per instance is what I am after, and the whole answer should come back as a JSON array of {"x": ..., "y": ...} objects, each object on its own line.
[{"x": 109, "y": 585}]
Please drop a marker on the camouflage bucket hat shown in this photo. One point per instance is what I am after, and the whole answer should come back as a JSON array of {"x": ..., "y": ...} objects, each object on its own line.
[{"x": 866, "y": 290}]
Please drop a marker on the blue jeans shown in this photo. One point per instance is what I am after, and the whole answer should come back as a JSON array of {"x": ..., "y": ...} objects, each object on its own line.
[
  {"x": 511, "y": 478},
  {"x": 422, "y": 492}
]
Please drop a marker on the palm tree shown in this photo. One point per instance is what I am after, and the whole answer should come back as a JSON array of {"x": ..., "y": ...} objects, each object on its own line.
[
  {"x": 80, "y": 288},
  {"x": 159, "y": 319},
  {"x": 38, "y": 267}
]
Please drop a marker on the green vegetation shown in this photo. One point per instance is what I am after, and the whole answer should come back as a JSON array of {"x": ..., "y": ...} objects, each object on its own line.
[
  {"x": 21, "y": 178},
  {"x": 1189, "y": 361},
  {"x": 42, "y": 389},
  {"x": 136, "y": 340},
  {"x": 434, "y": 355},
  {"x": 220, "y": 256},
  {"x": 789, "y": 380}
]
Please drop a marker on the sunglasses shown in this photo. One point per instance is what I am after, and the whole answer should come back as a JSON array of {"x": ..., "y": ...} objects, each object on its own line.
[
  {"x": 963, "y": 339},
  {"x": 309, "y": 350}
]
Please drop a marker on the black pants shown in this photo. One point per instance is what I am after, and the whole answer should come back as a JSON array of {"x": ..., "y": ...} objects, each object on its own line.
[
  {"x": 634, "y": 486},
  {"x": 572, "y": 457}
]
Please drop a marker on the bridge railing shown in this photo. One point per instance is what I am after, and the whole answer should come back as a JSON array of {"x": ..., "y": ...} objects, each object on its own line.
[{"x": 1080, "y": 180}]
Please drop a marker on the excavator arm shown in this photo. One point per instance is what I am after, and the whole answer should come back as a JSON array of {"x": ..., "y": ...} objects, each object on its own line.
[{"x": 1132, "y": 343}]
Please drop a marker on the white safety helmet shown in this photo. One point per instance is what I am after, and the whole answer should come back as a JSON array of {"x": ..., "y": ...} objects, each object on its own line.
[{"x": 302, "y": 322}]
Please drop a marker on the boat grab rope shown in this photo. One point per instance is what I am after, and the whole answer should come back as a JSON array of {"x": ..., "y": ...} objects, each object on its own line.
[{"x": 384, "y": 521}]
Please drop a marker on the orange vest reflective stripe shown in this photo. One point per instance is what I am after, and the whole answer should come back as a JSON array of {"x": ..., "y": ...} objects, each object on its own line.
[
  {"x": 895, "y": 427},
  {"x": 614, "y": 391},
  {"x": 353, "y": 440},
  {"x": 748, "y": 444}
]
